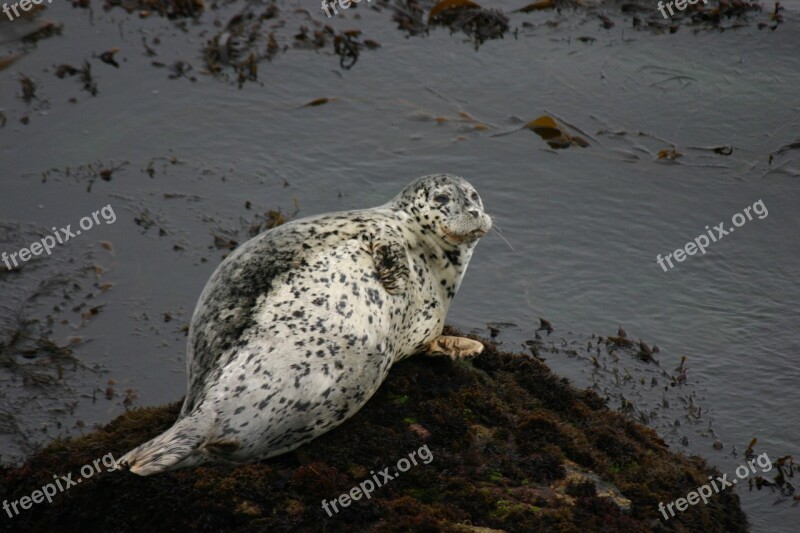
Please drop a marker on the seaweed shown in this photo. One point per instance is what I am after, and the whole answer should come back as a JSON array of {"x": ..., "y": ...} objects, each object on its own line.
[{"x": 514, "y": 448}]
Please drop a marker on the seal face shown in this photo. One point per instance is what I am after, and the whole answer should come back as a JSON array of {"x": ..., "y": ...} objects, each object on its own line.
[{"x": 298, "y": 327}]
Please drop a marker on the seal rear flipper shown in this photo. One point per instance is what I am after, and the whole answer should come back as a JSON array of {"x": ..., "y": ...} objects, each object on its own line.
[{"x": 178, "y": 447}]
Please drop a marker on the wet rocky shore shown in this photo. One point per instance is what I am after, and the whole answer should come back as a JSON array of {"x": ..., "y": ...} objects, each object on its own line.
[{"x": 514, "y": 448}]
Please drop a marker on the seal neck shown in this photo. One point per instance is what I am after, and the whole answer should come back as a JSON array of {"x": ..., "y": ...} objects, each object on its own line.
[{"x": 448, "y": 264}]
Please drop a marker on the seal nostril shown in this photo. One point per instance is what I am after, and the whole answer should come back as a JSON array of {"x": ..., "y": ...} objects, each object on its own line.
[{"x": 474, "y": 213}]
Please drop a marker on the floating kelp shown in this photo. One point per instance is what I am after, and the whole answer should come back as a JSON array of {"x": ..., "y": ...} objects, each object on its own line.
[
  {"x": 464, "y": 16},
  {"x": 554, "y": 134},
  {"x": 166, "y": 8}
]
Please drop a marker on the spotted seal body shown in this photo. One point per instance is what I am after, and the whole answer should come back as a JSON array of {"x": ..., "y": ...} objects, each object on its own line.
[{"x": 300, "y": 325}]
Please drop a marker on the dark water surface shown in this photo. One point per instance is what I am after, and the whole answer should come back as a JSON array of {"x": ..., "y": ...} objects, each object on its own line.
[{"x": 584, "y": 225}]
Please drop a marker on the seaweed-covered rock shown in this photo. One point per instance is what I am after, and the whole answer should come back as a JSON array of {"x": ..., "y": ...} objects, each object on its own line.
[{"x": 512, "y": 448}]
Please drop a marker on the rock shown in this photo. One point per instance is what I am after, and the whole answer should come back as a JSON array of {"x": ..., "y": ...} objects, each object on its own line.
[{"x": 514, "y": 447}]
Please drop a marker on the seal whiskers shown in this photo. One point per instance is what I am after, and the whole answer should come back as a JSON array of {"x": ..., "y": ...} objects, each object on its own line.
[{"x": 499, "y": 232}]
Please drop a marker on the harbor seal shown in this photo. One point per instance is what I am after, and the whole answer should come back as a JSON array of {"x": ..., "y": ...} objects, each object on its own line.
[{"x": 297, "y": 328}]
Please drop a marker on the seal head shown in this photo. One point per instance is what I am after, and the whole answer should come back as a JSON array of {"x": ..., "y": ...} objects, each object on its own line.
[{"x": 446, "y": 206}]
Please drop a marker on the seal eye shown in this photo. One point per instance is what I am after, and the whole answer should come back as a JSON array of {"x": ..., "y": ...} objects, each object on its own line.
[
  {"x": 475, "y": 197},
  {"x": 441, "y": 199}
]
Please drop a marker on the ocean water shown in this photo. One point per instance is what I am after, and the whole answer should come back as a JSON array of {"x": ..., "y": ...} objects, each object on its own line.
[{"x": 194, "y": 164}]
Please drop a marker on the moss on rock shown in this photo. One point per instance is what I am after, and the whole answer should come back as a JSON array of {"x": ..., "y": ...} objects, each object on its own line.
[{"x": 515, "y": 448}]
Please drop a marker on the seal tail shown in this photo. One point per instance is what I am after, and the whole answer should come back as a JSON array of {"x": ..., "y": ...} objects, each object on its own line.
[{"x": 180, "y": 446}]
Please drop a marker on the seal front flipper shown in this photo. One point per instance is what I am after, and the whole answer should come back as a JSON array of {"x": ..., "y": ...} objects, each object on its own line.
[
  {"x": 455, "y": 347},
  {"x": 391, "y": 263}
]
